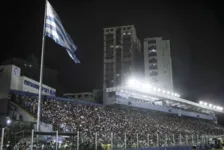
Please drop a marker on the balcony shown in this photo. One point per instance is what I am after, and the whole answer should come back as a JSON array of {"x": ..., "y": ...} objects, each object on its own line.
[
  {"x": 152, "y": 54},
  {"x": 153, "y": 60},
  {"x": 153, "y": 67},
  {"x": 152, "y": 47},
  {"x": 152, "y": 42}
]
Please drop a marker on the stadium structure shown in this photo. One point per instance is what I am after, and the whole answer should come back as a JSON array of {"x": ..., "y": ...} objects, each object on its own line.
[
  {"x": 137, "y": 93},
  {"x": 134, "y": 115}
]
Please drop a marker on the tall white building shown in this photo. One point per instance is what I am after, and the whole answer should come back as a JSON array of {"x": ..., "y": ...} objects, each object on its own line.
[
  {"x": 122, "y": 50},
  {"x": 158, "y": 63}
]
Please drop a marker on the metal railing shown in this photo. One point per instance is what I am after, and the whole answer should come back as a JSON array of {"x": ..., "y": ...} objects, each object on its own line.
[{"x": 81, "y": 140}]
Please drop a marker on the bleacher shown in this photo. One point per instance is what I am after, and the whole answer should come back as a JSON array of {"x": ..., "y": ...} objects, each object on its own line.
[{"x": 130, "y": 128}]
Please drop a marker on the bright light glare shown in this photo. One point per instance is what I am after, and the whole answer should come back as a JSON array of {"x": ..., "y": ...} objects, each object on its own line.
[
  {"x": 60, "y": 141},
  {"x": 137, "y": 84},
  {"x": 210, "y": 105},
  {"x": 132, "y": 82},
  {"x": 146, "y": 86},
  {"x": 220, "y": 108},
  {"x": 8, "y": 121}
]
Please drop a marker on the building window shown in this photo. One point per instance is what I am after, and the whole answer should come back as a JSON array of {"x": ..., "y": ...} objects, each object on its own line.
[
  {"x": 152, "y": 42},
  {"x": 152, "y": 48},
  {"x": 153, "y": 67},
  {"x": 111, "y": 94},
  {"x": 153, "y": 60},
  {"x": 153, "y": 73},
  {"x": 154, "y": 80},
  {"x": 152, "y": 54}
]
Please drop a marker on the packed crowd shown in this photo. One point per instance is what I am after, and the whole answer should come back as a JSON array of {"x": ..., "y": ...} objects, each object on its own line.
[{"x": 88, "y": 119}]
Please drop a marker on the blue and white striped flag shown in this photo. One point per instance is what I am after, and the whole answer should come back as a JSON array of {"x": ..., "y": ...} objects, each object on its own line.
[{"x": 55, "y": 30}]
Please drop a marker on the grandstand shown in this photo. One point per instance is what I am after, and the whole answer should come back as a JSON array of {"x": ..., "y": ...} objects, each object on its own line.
[
  {"x": 140, "y": 94},
  {"x": 134, "y": 115}
]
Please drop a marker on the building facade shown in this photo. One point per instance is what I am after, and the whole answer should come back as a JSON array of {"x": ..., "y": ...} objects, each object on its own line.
[
  {"x": 122, "y": 52},
  {"x": 32, "y": 70},
  {"x": 158, "y": 63}
]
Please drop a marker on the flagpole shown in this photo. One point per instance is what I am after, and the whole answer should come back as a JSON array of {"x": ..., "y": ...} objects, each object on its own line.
[{"x": 41, "y": 70}]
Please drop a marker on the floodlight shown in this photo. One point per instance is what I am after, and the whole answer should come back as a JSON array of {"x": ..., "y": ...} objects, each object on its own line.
[
  {"x": 8, "y": 121},
  {"x": 220, "y": 108},
  {"x": 146, "y": 86},
  {"x": 132, "y": 82}
]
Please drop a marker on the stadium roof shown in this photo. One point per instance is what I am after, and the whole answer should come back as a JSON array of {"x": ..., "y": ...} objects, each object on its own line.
[{"x": 154, "y": 95}]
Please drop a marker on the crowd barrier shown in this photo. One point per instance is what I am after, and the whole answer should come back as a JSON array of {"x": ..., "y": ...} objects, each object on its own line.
[
  {"x": 78, "y": 140},
  {"x": 165, "y": 148}
]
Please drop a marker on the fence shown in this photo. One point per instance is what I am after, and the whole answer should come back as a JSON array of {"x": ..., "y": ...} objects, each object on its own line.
[{"x": 113, "y": 141}]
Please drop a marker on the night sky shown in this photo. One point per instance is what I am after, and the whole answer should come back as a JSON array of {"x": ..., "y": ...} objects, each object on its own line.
[{"x": 194, "y": 28}]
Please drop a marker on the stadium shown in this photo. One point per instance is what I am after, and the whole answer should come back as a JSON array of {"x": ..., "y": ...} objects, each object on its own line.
[
  {"x": 135, "y": 115},
  {"x": 136, "y": 112}
]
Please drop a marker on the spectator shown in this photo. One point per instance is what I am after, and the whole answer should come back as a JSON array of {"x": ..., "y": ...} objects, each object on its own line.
[{"x": 88, "y": 119}]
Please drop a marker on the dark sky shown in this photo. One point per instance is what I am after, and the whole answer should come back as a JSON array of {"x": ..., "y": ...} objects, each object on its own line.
[{"x": 194, "y": 28}]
